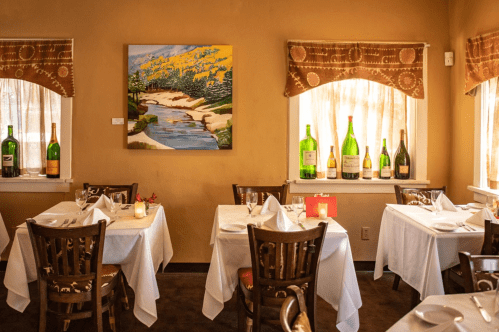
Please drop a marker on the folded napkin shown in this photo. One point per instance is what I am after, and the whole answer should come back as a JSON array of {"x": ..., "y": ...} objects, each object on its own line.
[
  {"x": 280, "y": 222},
  {"x": 94, "y": 216},
  {"x": 480, "y": 217},
  {"x": 446, "y": 203},
  {"x": 102, "y": 203},
  {"x": 271, "y": 205}
]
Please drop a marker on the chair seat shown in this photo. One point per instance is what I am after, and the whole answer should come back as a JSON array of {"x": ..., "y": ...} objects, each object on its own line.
[
  {"x": 108, "y": 272},
  {"x": 246, "y": 281}
]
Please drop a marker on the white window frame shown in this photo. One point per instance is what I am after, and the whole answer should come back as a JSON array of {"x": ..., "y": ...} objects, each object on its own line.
[
  {"x": 418, "y": 134},
  {"x": 41, "y": 183}
]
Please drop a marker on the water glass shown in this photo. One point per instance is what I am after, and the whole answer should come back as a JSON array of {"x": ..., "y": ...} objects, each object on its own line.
[
  {"x": 80, "y": 198},
  {"x": 116, "y": 200},
  {"x": 435, "y": 194},
  {"x": 298, "y": 205},
  {"x": 251, "y": 202}
]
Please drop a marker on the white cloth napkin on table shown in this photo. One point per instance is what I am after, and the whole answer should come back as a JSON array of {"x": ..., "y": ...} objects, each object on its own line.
[
  {"x": 94, "y": 216},
  {"x": 102, "y": 203},
  {"x": 271, "y": 205},
  {"x": 280, "y": 222},
  {"x": 479, "y": 217},
  {"x": 446, "y": 203}
]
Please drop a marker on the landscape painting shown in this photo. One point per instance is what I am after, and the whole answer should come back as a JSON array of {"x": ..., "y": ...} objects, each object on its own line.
[{"x": 180, "y": 97}]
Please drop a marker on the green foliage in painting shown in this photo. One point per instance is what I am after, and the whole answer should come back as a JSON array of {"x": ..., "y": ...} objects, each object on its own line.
[
  {"x": 225, "y": 136},
  {"x": 135, "y": 86}
]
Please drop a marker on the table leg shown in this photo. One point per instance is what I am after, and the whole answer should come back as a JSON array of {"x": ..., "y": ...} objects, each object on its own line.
[{"x": 415, "y": 298}]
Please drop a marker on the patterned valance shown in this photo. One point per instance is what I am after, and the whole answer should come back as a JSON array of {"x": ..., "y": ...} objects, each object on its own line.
[
  {"x": 482, "y": 60},
  {"x": 315, "y": 63},
  {"x": 48, "y": 63}
]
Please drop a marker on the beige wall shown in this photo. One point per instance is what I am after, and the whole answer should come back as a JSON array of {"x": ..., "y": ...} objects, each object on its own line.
[
  {"x": 190, "y": 184},
  {"x": 466, "y": 19}
]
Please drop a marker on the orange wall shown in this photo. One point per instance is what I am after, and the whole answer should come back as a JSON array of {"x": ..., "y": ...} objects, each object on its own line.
[
  {"x": 190, "y": 184},
  {"x": 466, "y": 19}
]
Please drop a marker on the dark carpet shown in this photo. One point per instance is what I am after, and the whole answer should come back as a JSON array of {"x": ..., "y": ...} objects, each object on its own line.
[{"x": 179, "y": 308}]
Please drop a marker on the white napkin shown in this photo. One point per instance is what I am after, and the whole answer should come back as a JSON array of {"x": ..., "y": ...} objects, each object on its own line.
[
  {"x": 102, "y": 202},
  {"x": 479, "y": 217},
  {"x": 281, "y": 222},
  {"x": 271, "y": 205},
  {"x": 94, "y": 216},
  {"x": 446, "y": 203}
]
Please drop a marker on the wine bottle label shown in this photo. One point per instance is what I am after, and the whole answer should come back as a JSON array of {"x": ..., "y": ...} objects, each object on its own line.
[
  {"x": 331, "y": 173},
  {"x": 52, "y": 167},
  {"x": 367, "y": 172},
  {"x": 8, "y": 160},
  {"x": 403, "y": 169},
  {"x": 309, "y": 158},
  {"x": 386, "y": 172},
  {"x": 351, "y": 164}
]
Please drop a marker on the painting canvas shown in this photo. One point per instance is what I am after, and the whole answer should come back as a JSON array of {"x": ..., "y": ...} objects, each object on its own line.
[{"x": 180, "y": 97}]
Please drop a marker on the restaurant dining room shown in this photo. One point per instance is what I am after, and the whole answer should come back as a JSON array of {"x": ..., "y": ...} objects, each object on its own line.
[{"x": 308, "y": 166}]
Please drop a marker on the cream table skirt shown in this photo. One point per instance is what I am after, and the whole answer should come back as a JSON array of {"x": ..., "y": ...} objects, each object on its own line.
[
  {"x": 138, "y": 245},
  {"x": 337, "y": 281},
  {"x": 4, "y": 236}
]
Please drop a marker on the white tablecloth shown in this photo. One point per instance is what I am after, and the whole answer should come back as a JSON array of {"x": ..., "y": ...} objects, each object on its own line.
[
  {"x": 417, "y": 252},
  {"x": 472, "y": 322},
  {"x": 4, "y": 237},
  {"x": 138, "y": 245},
  {"x": 337, "y": 281}
]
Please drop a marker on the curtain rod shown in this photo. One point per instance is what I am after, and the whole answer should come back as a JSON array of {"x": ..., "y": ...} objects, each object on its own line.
[{"x": 356, "y": 41}]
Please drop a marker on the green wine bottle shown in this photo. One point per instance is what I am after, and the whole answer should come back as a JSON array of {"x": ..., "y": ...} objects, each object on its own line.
[
  {"x": 308, "y": 157},
  {"x": 402, "y": 160},
  {"x": 10, "y": 155},
  {"x": 385, "y": 171},
  {"x": 53, "y": 156},
  {"x": 350, "y": 160}
]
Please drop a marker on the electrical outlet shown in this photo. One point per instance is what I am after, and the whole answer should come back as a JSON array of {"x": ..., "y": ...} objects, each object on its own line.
[
  {"x": 118, "y": 121},
  {"x": 365, "y": 233},
  {"x": 449, "y": 59}
]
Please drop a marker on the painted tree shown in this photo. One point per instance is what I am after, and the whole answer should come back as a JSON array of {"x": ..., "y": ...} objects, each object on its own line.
[{"x": 135, "y": 86}]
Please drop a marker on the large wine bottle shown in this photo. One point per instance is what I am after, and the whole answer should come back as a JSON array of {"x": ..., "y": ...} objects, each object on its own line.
[
  {"x": 385, "y": 171},
  {"x": 10, "y": 155},
  {"x": 53, "y": 156},
  {"x": 402, "y": 160},
  {"x": 367, "y": 166},
  {"x": 331, "y": 165},
  {"x": 308, "y": 156},
  {"x": 350, "y": 162}
]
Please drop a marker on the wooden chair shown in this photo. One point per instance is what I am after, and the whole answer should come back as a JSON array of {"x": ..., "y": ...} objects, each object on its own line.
[
  {"x": 278, "y": 192},
  {"x": 70, "y": 271},
  {"x": 279, "y": 260},
  {"x": 480, "y": 272},
  {"x": 95, "y": 191},
  {"x": 294, "y": 312},
  {"x": 412, "y": 196}
]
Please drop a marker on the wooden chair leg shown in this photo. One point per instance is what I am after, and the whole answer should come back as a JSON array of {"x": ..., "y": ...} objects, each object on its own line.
[
  {"x": 124, "y": 297},
  {"x": 396, "y": 282},
  {"x": 415, "y": 298},
  {"x": 257, "y": 319},
  {"x": 43, "y": 309},
  {"x": 311, "y": 307},
  {"x": 69, "y": 309},
  {"x": 112, "y": 313},
  {"x": 241, "y": 314}
]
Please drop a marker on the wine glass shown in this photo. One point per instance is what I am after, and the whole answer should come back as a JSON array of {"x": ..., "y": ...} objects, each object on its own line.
[
  {"x": 116, "y": 200},
  {"x": 298, "y": 206},
  {"x": 251, "y": 202},
  {"x": 80, "y": 198},
  {"x": 435, "y": 202}
]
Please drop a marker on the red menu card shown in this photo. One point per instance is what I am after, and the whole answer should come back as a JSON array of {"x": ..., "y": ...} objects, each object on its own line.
[{"x": 311, "y": 204}]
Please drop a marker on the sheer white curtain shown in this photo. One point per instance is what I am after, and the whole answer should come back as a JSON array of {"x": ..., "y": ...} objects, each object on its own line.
[
  {"x": 378, "y": 112},
  {"x": 30, "y": 109},
  {"x": 491, "y": 126}
]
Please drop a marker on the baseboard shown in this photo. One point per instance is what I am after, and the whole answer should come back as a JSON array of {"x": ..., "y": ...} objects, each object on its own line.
[
  {"x": 187, "y": 268},
  {"x": 367, "y": 266}
]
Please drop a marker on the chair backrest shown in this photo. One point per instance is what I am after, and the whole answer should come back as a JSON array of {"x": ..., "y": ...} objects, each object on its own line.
[
  {"x": 65, "y": 255},
  {"x": 294, "y": 311},
  {"x": 491, "y": 238},
  {"x": 480, "y": 272},
  {"x": 281, "y": 259},
  {"x": 95, "y": 191},
  {"x": 415, "y": 196},
  {"x": 278, "y": 192}
]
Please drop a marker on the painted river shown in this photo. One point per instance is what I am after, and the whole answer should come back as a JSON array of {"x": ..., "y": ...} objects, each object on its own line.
[{"x": 176, "y": 130}]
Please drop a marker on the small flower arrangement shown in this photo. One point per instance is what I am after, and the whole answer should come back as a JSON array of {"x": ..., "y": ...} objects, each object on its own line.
[{"x": 146, "y": 201}]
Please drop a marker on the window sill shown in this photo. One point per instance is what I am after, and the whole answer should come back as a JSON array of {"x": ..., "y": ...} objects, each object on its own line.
[
  {"x": 350, "y": 186},
  {"x": 480, "y": 194},
  {"x": 36, "y": 184}
]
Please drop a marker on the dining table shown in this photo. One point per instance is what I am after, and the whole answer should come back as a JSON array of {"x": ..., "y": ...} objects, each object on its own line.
[
  {"x": 434, "y": 305},
  {"x": 139, "y": 245},
  {"x": 415, "y": 246},
  {"x": 4, "y": 236},
  {"x": 337, "y": 281}
]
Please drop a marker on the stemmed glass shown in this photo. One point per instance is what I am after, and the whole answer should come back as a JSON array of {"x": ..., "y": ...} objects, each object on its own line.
[
  {"x": 80, "y": 198},
  {"x": 116, "y": 200},
  {"x": 298, "y": 206},
  {"x": 434, "y": 200},
  {"x": 251, "y": 202}
]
